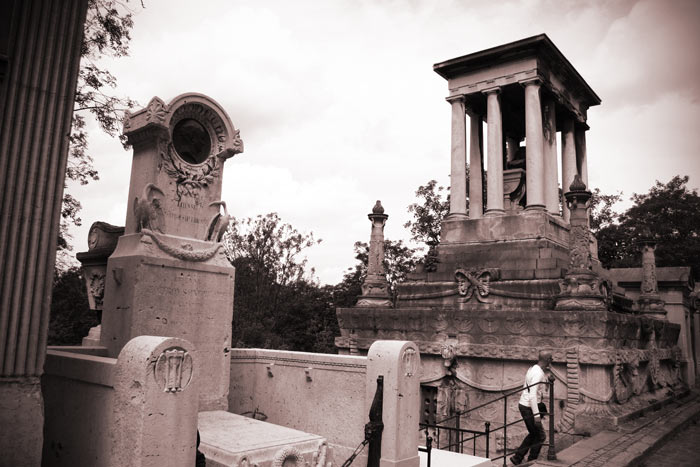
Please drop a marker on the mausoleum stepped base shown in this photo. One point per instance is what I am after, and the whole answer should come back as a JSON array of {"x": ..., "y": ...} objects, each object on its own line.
[{"x": 606, "y": 364}]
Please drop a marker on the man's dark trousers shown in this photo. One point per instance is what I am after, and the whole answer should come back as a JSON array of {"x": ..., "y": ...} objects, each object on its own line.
[{"x": 534, "y": 439}]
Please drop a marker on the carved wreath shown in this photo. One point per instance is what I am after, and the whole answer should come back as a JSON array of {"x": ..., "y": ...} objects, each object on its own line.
[{"x": 189, "y": 179}]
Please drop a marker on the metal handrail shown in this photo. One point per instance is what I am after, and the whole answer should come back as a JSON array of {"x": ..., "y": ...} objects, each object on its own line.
[{"x": 551, "y": 453}]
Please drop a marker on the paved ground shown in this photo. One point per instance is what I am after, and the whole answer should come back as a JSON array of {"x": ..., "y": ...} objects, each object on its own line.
[
  {"x": 681, "y": 450},
  {"x": 636, "y": 442}
]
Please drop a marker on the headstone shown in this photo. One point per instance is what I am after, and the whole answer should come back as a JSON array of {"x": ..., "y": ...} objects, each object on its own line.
[{"x": 168, "y": 275}]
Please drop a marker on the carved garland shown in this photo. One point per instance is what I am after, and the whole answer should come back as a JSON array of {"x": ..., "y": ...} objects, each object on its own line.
[{"x": 183, "y": 253}]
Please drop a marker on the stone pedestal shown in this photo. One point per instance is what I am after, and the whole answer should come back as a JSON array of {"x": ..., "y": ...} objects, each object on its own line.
[{"x": 163, "y": 285}]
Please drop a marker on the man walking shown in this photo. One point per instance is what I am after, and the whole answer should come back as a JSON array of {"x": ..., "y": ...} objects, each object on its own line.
[{"x": 530, "y": 411}]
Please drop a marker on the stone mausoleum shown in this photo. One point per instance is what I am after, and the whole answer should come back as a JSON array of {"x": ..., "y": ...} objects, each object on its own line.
[{"x": 516, "y": 269}]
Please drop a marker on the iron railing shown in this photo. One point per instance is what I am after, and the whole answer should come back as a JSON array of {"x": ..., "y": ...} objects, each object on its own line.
[{"x": 455, "y": 434}]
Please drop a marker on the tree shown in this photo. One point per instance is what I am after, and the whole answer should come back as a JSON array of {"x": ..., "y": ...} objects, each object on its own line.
[
  {"x": 71, "y": 318},
  {"x": 428, "y": 213},
  {"x": 668, "y": 214},
  {"x": 274, "y": 293},
  {"x": 106, "y": 34}
]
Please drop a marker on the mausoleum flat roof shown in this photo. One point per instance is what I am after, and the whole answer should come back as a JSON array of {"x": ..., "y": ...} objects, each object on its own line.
[{"x": 539, "y": 45}]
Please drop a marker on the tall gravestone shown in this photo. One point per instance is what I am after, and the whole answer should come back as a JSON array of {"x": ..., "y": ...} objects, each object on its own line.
[{"x": 168, "y": 275}]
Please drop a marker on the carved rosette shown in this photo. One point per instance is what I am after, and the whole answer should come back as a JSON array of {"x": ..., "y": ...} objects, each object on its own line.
[{"x": 173, "y": 369}]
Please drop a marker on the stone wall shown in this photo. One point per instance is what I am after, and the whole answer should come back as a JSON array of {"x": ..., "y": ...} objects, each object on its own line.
[
  {"x": 139, "y": 409},
  {"x": 316, "y": 393}
]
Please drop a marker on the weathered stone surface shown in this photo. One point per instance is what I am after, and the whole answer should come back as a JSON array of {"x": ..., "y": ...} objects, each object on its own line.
[
  {"x": 230, "y": 440},
  {"x": 150, "y": 292}
]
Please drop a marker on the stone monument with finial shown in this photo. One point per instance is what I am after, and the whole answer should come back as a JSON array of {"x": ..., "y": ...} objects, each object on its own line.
[{"x": 375, "y": 288}]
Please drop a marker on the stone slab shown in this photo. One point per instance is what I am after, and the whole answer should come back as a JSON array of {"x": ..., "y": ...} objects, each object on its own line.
[
  {"x": 227, "y": 439},
  {"x": 439, "y": 457}
]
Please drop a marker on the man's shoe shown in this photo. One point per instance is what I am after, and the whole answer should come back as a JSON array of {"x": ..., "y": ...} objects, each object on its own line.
[{"x": 515, "y": 461}]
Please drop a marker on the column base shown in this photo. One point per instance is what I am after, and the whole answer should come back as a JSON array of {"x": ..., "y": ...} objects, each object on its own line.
[
  {"x": 494, "y": 212},
  {"x": 456, "y": 216},
  {"x": 535, "y": 207}
]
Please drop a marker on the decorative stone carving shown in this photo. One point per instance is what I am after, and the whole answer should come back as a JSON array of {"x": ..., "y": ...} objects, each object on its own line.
[
  {"x": 173, "y": 369},
  {"x": 97, "y": 288},
  {"x": 409, "y": 360},
  {"x": 649, "y": 302},
  {"x": 155, "y": 111},
  {"x": 189, "y": 179},
  {"x": 147, "y": 209},
  {"x": 626, "y": 379},
  {"x": 288, "y": 457},
  {"x": 219, "y": 223},
  {"x": 375, "y": 288},
  {"x": 477, "y": 281},
  {"x": 185, "y": 251},
  {"x": 581, "y": 288}
]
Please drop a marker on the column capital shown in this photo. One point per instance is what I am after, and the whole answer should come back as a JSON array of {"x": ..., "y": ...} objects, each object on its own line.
[
  {"x": 531, "y": 82},
  {"x": 454, "y": 99},
  {"x": 493, "y": 90}
]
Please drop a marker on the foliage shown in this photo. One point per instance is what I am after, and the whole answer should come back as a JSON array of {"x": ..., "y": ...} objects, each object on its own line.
[
  {"x": 106, "y": 34},
  {"x": 669, "y": 214},
  {"x": 277, "y": 303},
  {"x": 71, "y": 317},
  {"x": 601, "y": 209},
  {"x": 428, "y": 213}
]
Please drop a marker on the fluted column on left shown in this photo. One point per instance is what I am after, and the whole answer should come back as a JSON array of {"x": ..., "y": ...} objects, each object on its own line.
[{"x": 38, "y": 90}]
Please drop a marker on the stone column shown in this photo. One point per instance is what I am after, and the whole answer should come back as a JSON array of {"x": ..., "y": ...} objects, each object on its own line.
[
  {"x": 551, "y": 188},
  {"x": 375, "y": 288},
  {"x": 494, "y": 195},
  {"x": 568, "y": 160},
  {"x": 37, "y": 90},
  {"x": 649, "y": 302},
  {"x": 534, "y": 163},
  {"x": 581, "y": 158},
  {"x": 581, "y": 288},
  {"x": 476, "y": 202},
  {"x": 458, "y": 174}
]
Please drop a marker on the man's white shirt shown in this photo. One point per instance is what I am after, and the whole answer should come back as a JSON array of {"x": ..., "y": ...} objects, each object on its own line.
[{"x": 530, "y": 398}]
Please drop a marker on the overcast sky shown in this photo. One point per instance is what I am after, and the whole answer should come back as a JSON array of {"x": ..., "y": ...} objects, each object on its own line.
[{"x": 338, "y": 105}]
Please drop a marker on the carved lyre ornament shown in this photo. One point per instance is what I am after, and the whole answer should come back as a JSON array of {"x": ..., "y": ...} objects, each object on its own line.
[
  {"x": 173, "y": 369},
  {"x": 410, "y": 361}
]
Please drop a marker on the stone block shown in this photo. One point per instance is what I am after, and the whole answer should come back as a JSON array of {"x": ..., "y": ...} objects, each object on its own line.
[
  {"x": 154, "y": 409},
  {"x": 553, "y": 273},
  {"x": 399, "y": 363},
  {"x": 150, "y": 292},
  {"x": 22, "y": 420},
  {"x": 230, "y": 440},
  {"x": 517, "y": 274}
]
